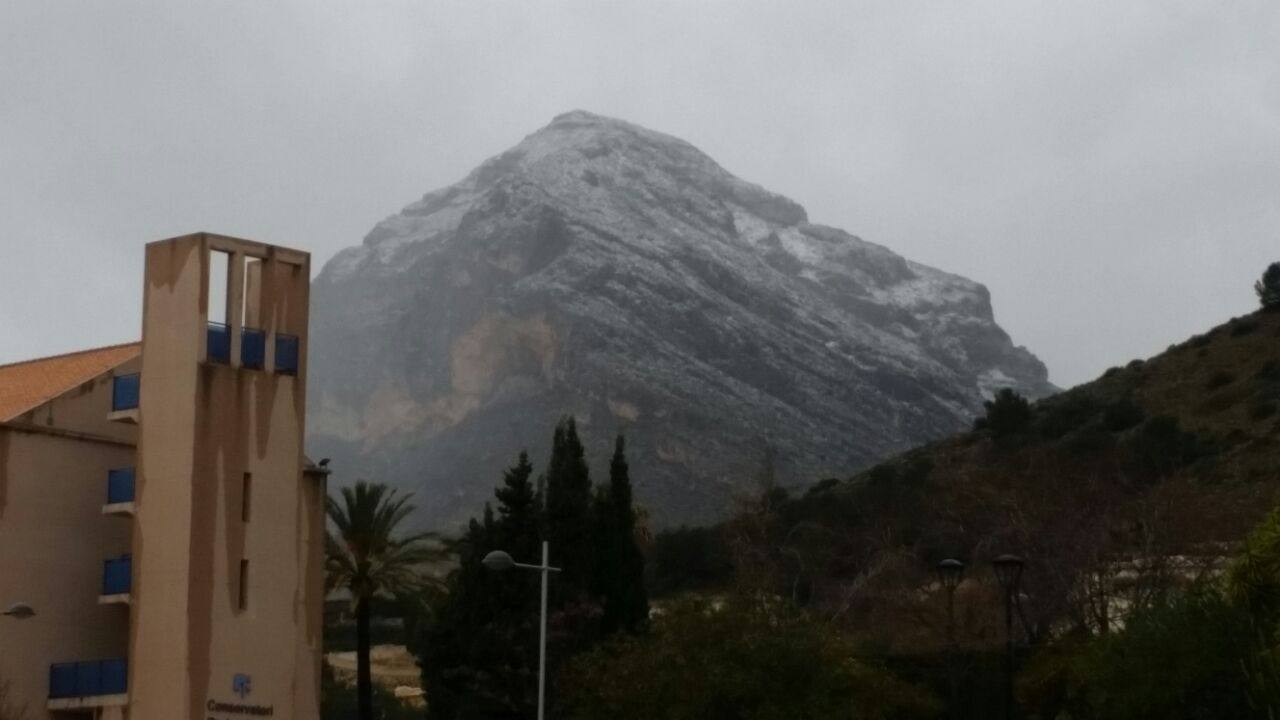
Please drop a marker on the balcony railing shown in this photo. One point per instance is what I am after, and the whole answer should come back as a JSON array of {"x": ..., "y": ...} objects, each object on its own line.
[
  {"x": 218, "y": 343},
  {"x": 120, "y": 485},
  {"x": 253, "y": 348},
  {"x": 124, "y": 392},
  {"x": 286, "y": 354},
  {"x": 117, "y": 575},
  {"x": 88, "y": 679}
]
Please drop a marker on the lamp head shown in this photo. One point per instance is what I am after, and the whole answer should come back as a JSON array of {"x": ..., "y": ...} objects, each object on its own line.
[
  {"x": 498, "y": 560},
  {"x": 1008, "y": 571},
  {"x": 950, "y": 573},
  {"x": 20, "y": 611}
]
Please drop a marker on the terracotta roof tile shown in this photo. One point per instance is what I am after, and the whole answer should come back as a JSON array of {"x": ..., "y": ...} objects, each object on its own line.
[{"x": 28, "y": 384}]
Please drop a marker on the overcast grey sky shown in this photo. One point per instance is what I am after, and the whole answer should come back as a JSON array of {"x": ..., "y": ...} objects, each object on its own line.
[{"x": 1110, "y": 170}]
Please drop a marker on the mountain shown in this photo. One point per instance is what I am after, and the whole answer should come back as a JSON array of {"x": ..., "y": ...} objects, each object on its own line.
[{"x": 602, "y": 269}]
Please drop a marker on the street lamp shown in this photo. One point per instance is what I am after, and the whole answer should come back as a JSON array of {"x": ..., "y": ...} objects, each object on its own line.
[
  {"x": 950, "y": 573},
  {"x": 499, "y": 561},
  {"x": 20, "y": 611},
  {"x": 1008, "y": 569}
]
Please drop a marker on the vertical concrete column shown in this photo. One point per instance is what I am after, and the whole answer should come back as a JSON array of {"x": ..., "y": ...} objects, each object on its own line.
[{"x": 235, "y": 303}]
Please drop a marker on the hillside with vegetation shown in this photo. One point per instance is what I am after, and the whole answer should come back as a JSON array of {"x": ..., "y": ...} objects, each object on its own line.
[
  {"x": 1112, "y": 490},
  {"x": 1130, "y": 499}
]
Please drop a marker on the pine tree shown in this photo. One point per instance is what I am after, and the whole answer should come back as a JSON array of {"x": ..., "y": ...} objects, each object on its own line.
[
  {"x": 519, "y": 526},
  {"x": 479, "y": 655},
  {"x": 1268, "y": 288},
  {"x": 568, "y": 512},
  {"x": 619, "y": 567}
]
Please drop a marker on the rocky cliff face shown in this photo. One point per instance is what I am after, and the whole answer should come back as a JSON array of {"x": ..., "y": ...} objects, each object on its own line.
[{"x": 612, "y": 272}]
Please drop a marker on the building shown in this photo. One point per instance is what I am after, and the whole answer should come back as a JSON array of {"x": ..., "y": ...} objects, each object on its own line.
[{"x": 156, "y": 509}]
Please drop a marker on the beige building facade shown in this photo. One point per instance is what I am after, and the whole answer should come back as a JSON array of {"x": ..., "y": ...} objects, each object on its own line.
[{"x": 158, "y": 517}]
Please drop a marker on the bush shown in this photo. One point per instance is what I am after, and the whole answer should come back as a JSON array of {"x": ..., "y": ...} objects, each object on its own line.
[
  {"x": 1122, "y": 415},
  {"x": 1008, "y": 413},
  {"x": 1066, "y": 413},
  {"x": 1262, "y": 410},
  {"x": 1179, "y": 659},
  {"x": 1269, "y": 372},
  {"x": 1243, "y": 326},
  {"x": 686, "y": 559},
  {"x": 1268, "y": 287},
  {"x": 1219, "y": 379},
  {"x": 760, "y": 660},
  {"x": 1161, "y": 445}
]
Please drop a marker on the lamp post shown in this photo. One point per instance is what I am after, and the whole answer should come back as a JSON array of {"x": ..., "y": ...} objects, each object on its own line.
[
  {"x": 19, "y": 611},
  {"x": 499, "y": 560},
  {"x": 950, "y": 573},
  {"x": 1008, "y": 569}
]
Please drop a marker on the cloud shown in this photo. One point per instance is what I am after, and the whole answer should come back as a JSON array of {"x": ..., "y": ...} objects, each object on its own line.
[{"x": 1110, "y": 170}]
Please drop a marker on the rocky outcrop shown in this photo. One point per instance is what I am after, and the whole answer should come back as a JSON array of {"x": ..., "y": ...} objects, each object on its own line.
[{"x": 619, "y": 274}]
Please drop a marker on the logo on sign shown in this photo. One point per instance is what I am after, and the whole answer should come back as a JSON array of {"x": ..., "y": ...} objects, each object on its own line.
[{"x": 241, "y": 685}]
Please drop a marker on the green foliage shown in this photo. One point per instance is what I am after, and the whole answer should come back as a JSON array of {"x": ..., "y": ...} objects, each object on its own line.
[
  {"x": 736, "y": 659},
  {"x": 568, "y": 511},
  {"x": 479, "y": 654},
  {"x": 1008, "y": 413},
  {"x": 1160, "y": 445},
  {"x": 519, "y": 509},
  {"x": 1066, "y": 413},
  {"x": 1253, "y": 580},
  {"x": 1179, "y": 659},
  {"x": 1219, "y": 379},
  {"x": 1122, "y": 415},
  {"x": 368, "y": 557},
  {"x": 1244, "y": 326},
  {"x": 1268, "y": 287},
  {"x": 1208, "y": 653},
  {"x": 1269, "y": 372},
  {"x": 619, "y": 567},
  {"x": 686, "y": 559}
]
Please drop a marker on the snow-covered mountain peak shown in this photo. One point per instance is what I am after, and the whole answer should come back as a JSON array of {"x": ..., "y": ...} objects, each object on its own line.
[{"x": 601, "y": 268}]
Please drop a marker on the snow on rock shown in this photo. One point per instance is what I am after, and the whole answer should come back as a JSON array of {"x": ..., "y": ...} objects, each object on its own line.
[{"x": 606, "y": 270}]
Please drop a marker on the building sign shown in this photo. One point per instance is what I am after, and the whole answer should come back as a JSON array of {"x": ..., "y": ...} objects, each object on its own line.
[{"x": 242, "y": 686}]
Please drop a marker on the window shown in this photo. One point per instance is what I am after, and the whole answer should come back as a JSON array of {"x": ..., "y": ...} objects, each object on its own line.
[
  {"x": 245, "y": 496},
  {"x": 251, "y": 294},
  {"x": 218, "y": 335},
  {"x": 219, "y": 284},
  {"x": 244, "y": 584}
]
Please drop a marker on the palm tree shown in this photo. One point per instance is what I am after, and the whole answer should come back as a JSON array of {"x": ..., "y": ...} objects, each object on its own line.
[{"x": 367, "y": 557}]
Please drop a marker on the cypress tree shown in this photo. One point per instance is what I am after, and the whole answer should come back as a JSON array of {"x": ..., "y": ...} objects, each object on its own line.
[
  {"x": 568, "y": 512},
  {"x": 620, "y": 563}
]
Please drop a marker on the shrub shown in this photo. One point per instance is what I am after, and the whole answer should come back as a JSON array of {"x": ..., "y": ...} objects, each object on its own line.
[
  {"x": 1268, "y": 287},
  {"x": 1179, "y": 659},
  {"x": 1243, "y": 327},
  {"x": 1269, "y": 371},
  {"x": 1262, "y": 410},
  {"x": 736, "y": 658},
  {"x": 1161, "y": 445},
  {"x": 1219, "y": 379},
  {"x": 1122, "y": 415},
  {"x": 688, "y": 558},
  {"x": 1007, "y": 413},
  {"x": 1066, "y": 414}
]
